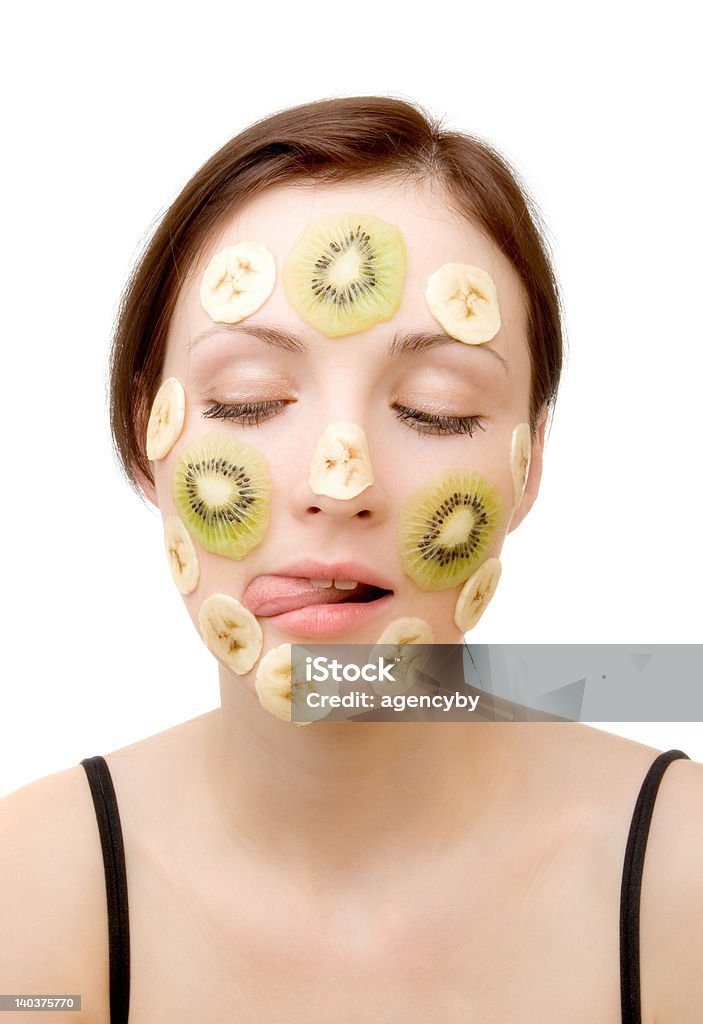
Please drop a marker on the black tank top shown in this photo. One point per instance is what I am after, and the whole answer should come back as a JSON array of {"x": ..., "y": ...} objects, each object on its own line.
[{"x": 110, "y": 830}]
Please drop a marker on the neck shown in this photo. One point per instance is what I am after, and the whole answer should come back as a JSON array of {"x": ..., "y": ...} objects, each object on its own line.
[{"x": 353, "y": 796}]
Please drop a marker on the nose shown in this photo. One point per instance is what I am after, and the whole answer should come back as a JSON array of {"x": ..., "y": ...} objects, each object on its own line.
[{"x": 341, "y": 481}]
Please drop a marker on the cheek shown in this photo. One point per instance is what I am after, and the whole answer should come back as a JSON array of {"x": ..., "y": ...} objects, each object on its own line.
[
  {"x": 215, "y": 496},
  {"x": 451, "y": 528},
  {"x": 460, "y": 513}
]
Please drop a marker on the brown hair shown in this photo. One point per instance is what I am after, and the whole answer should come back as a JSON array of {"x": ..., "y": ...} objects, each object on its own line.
[{"x": 326, "y": 141}]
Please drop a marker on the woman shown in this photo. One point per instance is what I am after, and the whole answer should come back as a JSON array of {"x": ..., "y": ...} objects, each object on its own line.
[{"x": 292, "y": 327}]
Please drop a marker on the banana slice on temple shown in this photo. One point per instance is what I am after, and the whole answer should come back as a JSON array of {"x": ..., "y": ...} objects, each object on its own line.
[
  {"x": 397, "y": 641},
  {"x": 341, "y": 464},
  {"x": 182, "y": 556},
  {"x": 279, "y": 692},
  {"x": 166, "y": 419},
  {"x": 463, "y": 299},
  {"x": 520, "y": 454},
  {"x": 237, "y": 281},
  {"x": 230, "y": 632},
  {"x": 476, "y": 594}
]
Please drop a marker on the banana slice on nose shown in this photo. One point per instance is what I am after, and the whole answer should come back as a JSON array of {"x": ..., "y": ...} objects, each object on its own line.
[
  {"x": 476, "y": 594},
  {"x": 237, "y": 281},
  {"x": 230, "y": 632},
  {"x": 520, "y": 455},
  {"x": 464, "y": 300},
  {"x": 182, "y": 557},
  {"x": 166, "y": 419},
  {"x": 341, "y": 464}
]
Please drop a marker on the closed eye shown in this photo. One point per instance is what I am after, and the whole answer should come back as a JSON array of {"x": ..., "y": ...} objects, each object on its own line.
[
  {"x": 250, "y": 413},
  {"x": 429, "y": 423}
]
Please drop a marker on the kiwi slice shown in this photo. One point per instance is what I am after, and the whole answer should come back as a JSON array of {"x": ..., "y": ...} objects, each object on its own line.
[
  {"x": 222, "y": 490},
  {"x": 345, "y": 273},
  {"x": 446, "y": 526}
]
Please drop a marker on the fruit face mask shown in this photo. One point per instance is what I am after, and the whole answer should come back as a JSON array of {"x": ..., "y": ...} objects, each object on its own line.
[
  {"x": 405, "y": 428},
  {"x": 345, "y": 273}
]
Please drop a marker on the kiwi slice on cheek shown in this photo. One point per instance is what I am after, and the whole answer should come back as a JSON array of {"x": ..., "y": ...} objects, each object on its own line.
[
  {"x": 345, "y": 273},
  {"x": 446, "y": 526},
  {"x": 222, "y": 492}
]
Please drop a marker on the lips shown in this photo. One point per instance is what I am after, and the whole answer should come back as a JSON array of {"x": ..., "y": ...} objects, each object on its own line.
[{"x": 274, "y": 594}]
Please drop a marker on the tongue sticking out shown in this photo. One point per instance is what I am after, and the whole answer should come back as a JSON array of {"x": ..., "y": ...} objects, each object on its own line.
[{"x": 273, "y": 595}]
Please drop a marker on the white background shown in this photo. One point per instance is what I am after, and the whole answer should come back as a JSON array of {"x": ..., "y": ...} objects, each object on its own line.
[{"x": 108, "y": 112}]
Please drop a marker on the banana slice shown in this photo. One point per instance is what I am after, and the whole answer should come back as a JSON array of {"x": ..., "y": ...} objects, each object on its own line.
[
  {"x": 476, "y": 594},
  {"x": 166, "y": 419},
  {"x": 182, "y": 556},
  {"x": 407, "y": 631},
  {"x": 341, "y": 465},
  {"x": 463, "y": 299},
  {"x": 231, "y": 632},
  {"x": 237, "y": 281},
  {"x": 279, "y": 692},
  {"x": 397, "y": 640},
  {"x": 520, "y": 454}
]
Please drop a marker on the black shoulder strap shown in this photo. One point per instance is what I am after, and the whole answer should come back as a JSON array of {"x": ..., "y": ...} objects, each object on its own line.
[
  {"x": 108, "y": 816},
  {"x": 630, "y": 891}
]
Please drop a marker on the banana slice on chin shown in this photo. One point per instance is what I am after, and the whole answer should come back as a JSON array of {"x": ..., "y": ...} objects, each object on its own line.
[
  {"x": 464, "y": 301},
  {"x": 237, "y": 281},
  {"x": 230, "y": 632},
  {"x": 520, "y": 457},
  {"x": 165, "y": 419},
  {"x": 397, "y": 641},
  {"x": 476, "y": 594},
  {"x": 182, "y": 556},
  {"x": 341, "y": 464},
  {"x": 279, "y": 691}
]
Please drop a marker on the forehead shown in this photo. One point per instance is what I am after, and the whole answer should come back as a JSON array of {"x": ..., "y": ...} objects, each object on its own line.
[{"x": 435, "y": 233}]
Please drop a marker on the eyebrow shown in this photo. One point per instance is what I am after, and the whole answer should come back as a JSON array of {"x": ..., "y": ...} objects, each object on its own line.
[{"x": 401, "y": 343}]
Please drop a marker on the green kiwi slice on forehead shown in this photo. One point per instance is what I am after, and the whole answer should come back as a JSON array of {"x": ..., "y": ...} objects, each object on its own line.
[
  {"x": 446, "y": 526},
  {"x": 345, "y": 273},
  {"x": 222, "y": 490}
]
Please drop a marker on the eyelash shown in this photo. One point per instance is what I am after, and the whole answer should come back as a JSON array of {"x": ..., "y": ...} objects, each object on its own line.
[
  {"x": 247, "y": 412},
  {"x": 251, "y": 413}
]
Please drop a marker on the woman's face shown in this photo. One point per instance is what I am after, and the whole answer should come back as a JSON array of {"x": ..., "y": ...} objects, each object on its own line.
[{"x": 354, "y": 380}]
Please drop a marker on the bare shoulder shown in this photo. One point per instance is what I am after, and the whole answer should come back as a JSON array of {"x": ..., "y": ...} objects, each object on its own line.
[
  {"x": 602, "y": 774},
  {"x": 53, "y": 920},
  {"x": 672, "y": 897}
]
